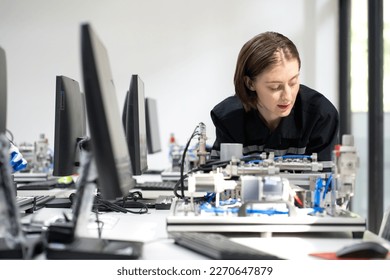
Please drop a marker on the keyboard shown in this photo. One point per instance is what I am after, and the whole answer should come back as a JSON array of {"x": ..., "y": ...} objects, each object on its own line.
[
  {"x": 219, "y": 247},
  {"x": 41, "y": 200},
  {"x": 31, "y": 204},
  {"x": 159, "y": 186},
  {"x": 29, "y": 177},
  {"x": 25, "y": 203},
  {"x": 39, "y": 185},
  {"x": 153, "y": 171}
]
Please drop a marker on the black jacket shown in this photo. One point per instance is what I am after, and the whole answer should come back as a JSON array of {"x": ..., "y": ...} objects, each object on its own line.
[{"x": 311, "y": 127}]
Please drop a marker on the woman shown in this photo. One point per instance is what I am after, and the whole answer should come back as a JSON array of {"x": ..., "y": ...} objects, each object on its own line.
[{"x": 271, "y": 111}]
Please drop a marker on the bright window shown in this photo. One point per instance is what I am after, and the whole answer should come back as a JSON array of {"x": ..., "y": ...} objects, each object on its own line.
[{"x": 359, "y": 100}]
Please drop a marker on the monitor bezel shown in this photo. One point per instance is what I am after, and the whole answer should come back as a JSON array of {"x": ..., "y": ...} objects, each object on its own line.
[
  {"x": 152, "y": 126},
  {"x": 134, "y": 122},
  {"x": 3, "y": 91}
]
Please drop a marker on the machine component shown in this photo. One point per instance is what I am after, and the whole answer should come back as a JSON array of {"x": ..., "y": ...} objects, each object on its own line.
[
  {"x": 201, "y": 151},
  {"x": 230, "y": 151},
  {"x": 346, "y": 162},
  {"x": 38, "y": 156},
  {"x": 210, "y": 182},
  {"x": 42, "y": 156},
  {"x": 268, "y": 194},
  {"x": 265, "y": 178},
  {"x": 267, "y": 188},
  {"x": 270, "y": 165}
]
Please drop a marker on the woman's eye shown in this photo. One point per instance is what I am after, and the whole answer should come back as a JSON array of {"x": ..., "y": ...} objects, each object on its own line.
[{"x": 276, "y": 88}]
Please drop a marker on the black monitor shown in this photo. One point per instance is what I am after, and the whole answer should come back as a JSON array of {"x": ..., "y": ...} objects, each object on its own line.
[
  {"x": 3, "y": 91},
  {"x": 70, "y": 126},
  {"x": 107, "y": 151},
  {"x": 152, "y": 127},
  {"x": 134, "y": 122},
  {"x": 11, "y": 237},
  {"x": 108, "y": 140}
]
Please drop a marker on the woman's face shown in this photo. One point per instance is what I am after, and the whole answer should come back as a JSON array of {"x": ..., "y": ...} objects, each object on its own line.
[{"x": 277, "y": 89}]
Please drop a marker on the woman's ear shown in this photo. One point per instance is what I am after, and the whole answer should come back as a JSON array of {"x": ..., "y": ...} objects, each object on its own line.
[{"x": 249, "y": 83}]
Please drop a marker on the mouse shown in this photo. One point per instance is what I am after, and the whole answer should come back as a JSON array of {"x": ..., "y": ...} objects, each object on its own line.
[
  {"x": 363, "y": 250},
  {"x": 66, "y": 181}
]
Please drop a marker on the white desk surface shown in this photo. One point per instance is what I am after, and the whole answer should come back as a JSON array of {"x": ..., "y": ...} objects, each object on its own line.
[{"x": 150, "y": 228}]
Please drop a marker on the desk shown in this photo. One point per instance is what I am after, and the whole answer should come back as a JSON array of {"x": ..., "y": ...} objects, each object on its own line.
[{"x": 151, "y": 229}]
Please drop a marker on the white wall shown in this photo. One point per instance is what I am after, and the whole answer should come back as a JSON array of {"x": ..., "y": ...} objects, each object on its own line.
[{"x": 185, "y": 52}]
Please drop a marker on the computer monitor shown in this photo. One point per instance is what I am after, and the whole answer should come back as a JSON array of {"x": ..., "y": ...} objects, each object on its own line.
[
  {"x": 70, "y": 126},
  {"x": 108, "y": 140},
  {"x": 107, "y": 151},
  {"x": 3, "y": 91},
  {"x": 11, "y": 235},
  {"x": 152, "y": 126},
  {"x": 134, "y": 122}
]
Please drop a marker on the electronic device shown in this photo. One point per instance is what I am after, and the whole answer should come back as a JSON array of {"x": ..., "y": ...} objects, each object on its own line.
[
  {"x": 107, "y": 152},
  {"x": 266, "y": 186},
  {"x": 164, "y": 202},
  {"x": 158, "y": 185},
  {"x": 59, "y": 203},
  {"x": 3, "y": 91},
  {"x": 25, "y": 203},
  {"x": 134, "y": 122},
  {"x": 11, "y": 236},
  {"x": 48, "y": 184},
  {"x": 152, "y": 126},
  {"x": 109, "y": 146},
  {"x": 70, "y": 126},
  {"x": 26, "y": 177},
  {"x": 363, "y": 250},
  {"x": 39, "y": 185},
  {"x": 30, "y": 204},
  {"x": 219, "y": 247}
]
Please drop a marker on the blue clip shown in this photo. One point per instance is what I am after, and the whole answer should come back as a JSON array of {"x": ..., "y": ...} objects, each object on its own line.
[{"x": 17, "y": 161}]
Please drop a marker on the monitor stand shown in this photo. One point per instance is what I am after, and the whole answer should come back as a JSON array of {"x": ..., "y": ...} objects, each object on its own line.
[
  {"x": 85, "y": 248},
  {"x": 67, "y": 241},
  {"x": 14, "y": 253}
]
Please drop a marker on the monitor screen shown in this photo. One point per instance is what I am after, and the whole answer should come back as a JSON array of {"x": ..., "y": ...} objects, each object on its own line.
[
  {"x": 70, "y": 126},
  {"x": 107, "y": 135},
  {"x": 134, "y": 122},
  {"x": 3, "y": 91},
  {"x": 152, "y": 127}
]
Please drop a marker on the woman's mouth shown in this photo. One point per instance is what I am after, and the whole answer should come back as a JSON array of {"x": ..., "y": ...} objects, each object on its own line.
[{"x": 283, "y": 107}]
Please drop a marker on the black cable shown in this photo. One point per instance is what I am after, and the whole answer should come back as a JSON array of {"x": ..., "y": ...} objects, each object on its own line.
[
  {"x": 118, "y": 205},
  {"x": 183, "y": 161},
  {"x": 207, "y": 167},
  {"x": 177, "y": 185},
  {"x": 133, "y": 197},
  {"x": 105, "y": 204},
  {"x": 11, "y": 138}
]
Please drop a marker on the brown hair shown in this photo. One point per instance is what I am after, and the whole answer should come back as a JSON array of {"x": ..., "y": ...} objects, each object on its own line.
[{"x": 256, "y": 56}]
